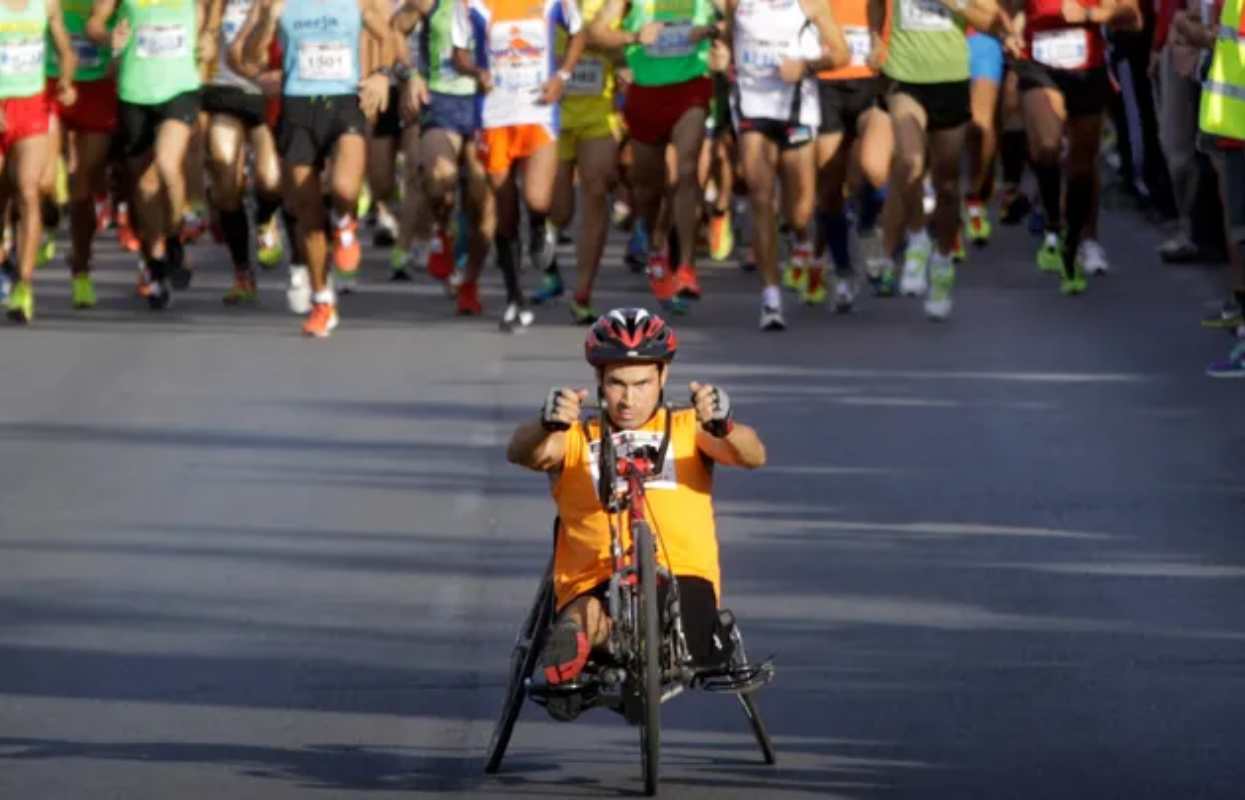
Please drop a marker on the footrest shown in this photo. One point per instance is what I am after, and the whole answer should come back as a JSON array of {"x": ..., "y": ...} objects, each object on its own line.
[{"x": 736, "y": 679}]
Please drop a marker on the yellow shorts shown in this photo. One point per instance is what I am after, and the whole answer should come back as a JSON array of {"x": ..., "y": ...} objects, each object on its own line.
[
  {"x": 501, "y": 147},
  {"x": 584, "y": 129}
]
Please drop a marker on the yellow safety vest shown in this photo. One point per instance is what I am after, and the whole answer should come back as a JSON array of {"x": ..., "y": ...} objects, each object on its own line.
[{"x": 1223, "y": 91}]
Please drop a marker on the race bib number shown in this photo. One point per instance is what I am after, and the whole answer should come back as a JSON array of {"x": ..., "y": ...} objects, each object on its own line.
[
  {"x": 519, "y": 56},
  {"x": 674, "y": 41},
  {"x": 325, "y": 61},
  {"x": 860, "y": 43},
  {"x": 21, "y": 56},
  {"x": 588, "y": 78},
  {"x": 760, "y": 59},
  {"x": 1062, "y": 49},
  {"x": 89, "y": 56},
  {"x": 162, "y": 41},
  {"x": 626, "y": 444},
  {"x": 231, "y": 23},
  {"x": 925, "y": 16}
]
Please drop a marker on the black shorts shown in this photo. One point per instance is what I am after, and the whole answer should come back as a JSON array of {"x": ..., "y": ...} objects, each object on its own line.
[
  {"x": 842, "y": 103},
  {"x": 1085, "y": 92},
  {"x": 699, "y": 608},
  {"x": 248, "y": 107},
  {"x": 389, "y": 122},
  {"x": 778, "y": 131},
  {"x": 310, "y": 126},
  {"x": 947, "y": 105},
  {"x": 138, "y": 124}
]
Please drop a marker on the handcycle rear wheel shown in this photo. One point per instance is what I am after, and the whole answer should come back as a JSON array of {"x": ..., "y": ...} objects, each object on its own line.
[
  {"x": 649, "y": 660},
  {"x": 527, "y": 647}
]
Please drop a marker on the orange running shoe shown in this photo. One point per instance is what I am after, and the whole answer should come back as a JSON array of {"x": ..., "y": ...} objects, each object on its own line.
[
  {"x": 660, "y": 278},
  {"x": 143, "y": 289},
  {"x": 687, "y": 282},
  {"x": 243, "y": 291},
  {"x": 346, "y": 249},
  {"x": 321, "y": 321},
  {"x": 126, "y": 236},
  {"x": 469, "y": 299},
  {"x": 721, "y": 236},
  {"x": 441, "y": 254},
  {"x": 103, "y": 212}
]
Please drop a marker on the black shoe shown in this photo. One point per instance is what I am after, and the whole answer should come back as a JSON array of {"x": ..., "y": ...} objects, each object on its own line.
[
  {"x": 383, "y": 237},
  {"x": 178, "y": 273}
]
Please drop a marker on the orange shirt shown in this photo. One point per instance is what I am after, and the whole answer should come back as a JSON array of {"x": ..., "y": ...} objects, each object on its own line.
[
  {"x": 852, "y": 16},
  {"x": 680, "y": 507}
]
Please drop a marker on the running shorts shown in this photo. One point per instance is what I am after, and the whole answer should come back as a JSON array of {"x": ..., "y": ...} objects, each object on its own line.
[
  {"x": 24, "y": 117},
  {"x": 95, "y": 110},
  {"x": 457, "y": 113},
  {"x": 248, "y": 107},
  {"x": 985, "y": 58},
  {"x": 140, "y": 123},
  {"x": 778, "y": 131},
  {"x": 606, "y": 126},
  {"x": 310, "y": 127},
  {"x": 501, "y": 147},
  {"x": 653, "y": 111},
  {"x": 1085, "y": 92},
  {"x": 947, "y": 105},
  {"x": 843, "y": 101},
  {"x": 389, "y": 122}
]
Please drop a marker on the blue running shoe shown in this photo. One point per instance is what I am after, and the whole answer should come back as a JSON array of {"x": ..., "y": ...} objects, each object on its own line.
[
  {"x": 637, "y": 248},
  {"x": 1231, "y": 367}
]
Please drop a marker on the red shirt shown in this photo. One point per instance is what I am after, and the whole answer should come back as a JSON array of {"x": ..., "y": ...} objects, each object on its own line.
[{"x": 1051, "y": 41}]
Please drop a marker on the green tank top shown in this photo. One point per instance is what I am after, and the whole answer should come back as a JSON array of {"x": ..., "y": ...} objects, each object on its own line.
[
  {"x": 927, "y": 44},
  {"x": 22, "y": 38},
  {"x": 93, "y": 59},
  {"x": 436, "y": 53},
  {"x": 158, "y": 62},
  {"x": 672, "y": 58}
]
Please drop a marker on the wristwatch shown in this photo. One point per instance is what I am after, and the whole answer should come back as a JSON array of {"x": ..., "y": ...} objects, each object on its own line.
[{"x": 564, "y": 75}]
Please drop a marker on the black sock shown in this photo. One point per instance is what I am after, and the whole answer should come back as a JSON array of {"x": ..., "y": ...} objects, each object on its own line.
[
  {"x": 869, "y": 202},
  {"x": 1239, "y": 294},
  {"x": 673, "y": 245},
  {"x": 834, "y": 231},
  {"x": 265, "y": 208},
  {"x": 1080, "y": 201},
  {"x": 1012, "y": 151},
  {"x": 1050, "y": 184},
  {"x": 50, "y": 212},
  {"x": 237, "y": 230},
  {"x": 291, "y": 229},
  {"x": 506, "y": 263}
]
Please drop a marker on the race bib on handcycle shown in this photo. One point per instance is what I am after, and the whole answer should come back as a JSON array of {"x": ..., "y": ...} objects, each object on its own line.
[
  {"x": 20, "y": 56},
  {"x": 627, "y": 443},
  {"x": 325, "y": 61},
  {"x": 925, "y": 16},
  {"x": 674, "y": 41},
  {"x": 1067, "y": 48},
  {"x": 89, "y": 55},
  {"x": 588, "y": 78},
  {"x": 162, "y": 41},
  {"x": 859, "y": 43}
]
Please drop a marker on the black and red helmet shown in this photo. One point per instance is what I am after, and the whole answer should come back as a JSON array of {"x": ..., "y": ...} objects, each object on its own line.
[{"x": 630, "y": 335}]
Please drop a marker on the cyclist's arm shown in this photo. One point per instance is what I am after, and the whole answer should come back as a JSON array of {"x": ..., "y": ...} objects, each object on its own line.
[
  {"x": 534, "y": 447},
  {"x": 742, "y": 447}
]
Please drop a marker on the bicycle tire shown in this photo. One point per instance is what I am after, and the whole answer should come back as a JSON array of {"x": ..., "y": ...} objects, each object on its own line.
[
  {"x": 523, "y": 657},
  {"x": 758, "y": 728},
  {"x": 650, "y": 659}
]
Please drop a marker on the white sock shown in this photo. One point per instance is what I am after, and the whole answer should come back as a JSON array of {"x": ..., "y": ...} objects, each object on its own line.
[
  {"x": 919, "y": 239},
  {"x": 771, "y": 296},
  {"x": 326, "y": 296}
]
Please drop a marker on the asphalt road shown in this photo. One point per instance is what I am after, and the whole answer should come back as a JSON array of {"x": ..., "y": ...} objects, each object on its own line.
[{"x": 1001, "y": 557}]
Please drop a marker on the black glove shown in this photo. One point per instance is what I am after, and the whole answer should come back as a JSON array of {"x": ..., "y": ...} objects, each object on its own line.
[
  {"x": 548, "y": 412},
  {"x": 722, "y": 419}
]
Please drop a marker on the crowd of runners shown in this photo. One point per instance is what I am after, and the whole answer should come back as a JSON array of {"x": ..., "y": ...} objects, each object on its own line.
[{"x": 853, "y": 143}]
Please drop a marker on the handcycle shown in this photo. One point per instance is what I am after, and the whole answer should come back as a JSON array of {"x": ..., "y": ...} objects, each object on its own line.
[{"x": 646, "y": 660}]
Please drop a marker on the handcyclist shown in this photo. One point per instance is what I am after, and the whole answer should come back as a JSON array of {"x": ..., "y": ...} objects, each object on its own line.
[{"x": 631, "y": 351}]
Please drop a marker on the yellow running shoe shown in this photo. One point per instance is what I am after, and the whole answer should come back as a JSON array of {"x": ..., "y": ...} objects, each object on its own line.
[
  {"x": 269, "y": 250},
  {"x": 813, "y": 292},
  {"x": 83, "y": 291},
  {"x": 21, "y": 307},
  {"x": 721, "y": 236},
  {"x": 47, "y": 251}
]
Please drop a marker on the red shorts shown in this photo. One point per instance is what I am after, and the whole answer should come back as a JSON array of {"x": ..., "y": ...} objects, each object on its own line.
[
  {"x": 23, "y": 117},
  {"x": 652, "y": 112},
  {"x": 95, "y": 110}
]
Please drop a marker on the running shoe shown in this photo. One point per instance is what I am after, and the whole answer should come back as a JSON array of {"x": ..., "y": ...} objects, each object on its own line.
[
  {"x": 915, "y": 266},
  {"x": 749, "y": 262},
  {"x": 269, "y": 250},
  {"x": 346, "y": 248},
  {"x": 516, "y": 318},
  {"x": 1092, "y": 258},
  {"x": 941, "y": 282},
  {"x": 958, "y": 254},
  {"x": 386, "y": 233},
  {"x": 1231, "y": 367},
  {"x": 346, "y": 281},
  {"x": 542, "y": 248},
  {"x": 298, "y": 294},
  {"x": 844, "y": 293},
  {"x": 321, "y": 321},
  {"x": 721, "y": 235},
  {"x": 440, "y": 254},
  {"x": 621, "y": 214},
  {"x": 551, "y": 287},
  {"x": 6, "y": 283},
  {"x": 126, "y": 237},
  {"x": 661, "y": 278},
  {"x": 157, "y": 291},
  {"x": 1227, "y": 317},
  {"x": 1074, "y": 284},
  {"x": 583, "y": 313},
  {"x": 243, "y": 291},
  {"x": 364, "y": 204},
  {"x": 772, "y": 319},
  {"x": 637, "y": 247},
  {"x": 793, "y": 278},
  {"x": 47, "y": 250},
  {"x": 977, "y": 223},
  {"x": 180, "y": 274},
  {"x": 83, "y": 291},
  {"x": 1050, "y": 254},
  {"x": 1013, "y": 207},
  {"x": 881, "y": 276},
  {"x": 813, "y": 292},
  {"x": 103, "y": 213},
  {"x": 21, "y": 305},
  {"x": 469, "y": 299},
  {"x": 193, "y": 227},
  {"x": 399, "y": 264},
  {"x": 687, "y": 282}
]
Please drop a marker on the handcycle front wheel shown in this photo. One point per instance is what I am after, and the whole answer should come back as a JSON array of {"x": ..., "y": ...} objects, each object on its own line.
[
  {"x": 527, "y": 647},
  {"x": 649, "y": 660}
]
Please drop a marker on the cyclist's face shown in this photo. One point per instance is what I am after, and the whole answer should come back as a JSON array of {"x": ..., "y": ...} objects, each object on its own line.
[{"x": 632, "y": 392}]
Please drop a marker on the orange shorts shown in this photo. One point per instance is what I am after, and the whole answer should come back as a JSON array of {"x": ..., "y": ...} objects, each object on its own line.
[
  {"x": 24, "y": 117},
  {"x": 501, "y": 147},
  {"x": 95, "y": 110}
]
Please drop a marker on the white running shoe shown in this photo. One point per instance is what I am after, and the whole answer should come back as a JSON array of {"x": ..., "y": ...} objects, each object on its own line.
[
  {"x": 844, "y": 294},
  {"x": 298, "y": 295},
  {"x": 772, "y": 319},
  {"x": 942, "y": 281},
  {"x": 914, "y": 281},
  {"x": 1092, "y": 257},
  {"x": 517, "y": 319}
]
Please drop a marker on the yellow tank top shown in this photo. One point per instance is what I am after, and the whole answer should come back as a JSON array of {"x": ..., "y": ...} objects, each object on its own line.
[
  {"x": 679, "y": 499},
  {"x": 590, "y": 93}
]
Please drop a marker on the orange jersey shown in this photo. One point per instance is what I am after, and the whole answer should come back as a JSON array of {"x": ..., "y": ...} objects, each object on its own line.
[
  {"x": 852, "y": 17},
  {"x": 679, "y": 503}
]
